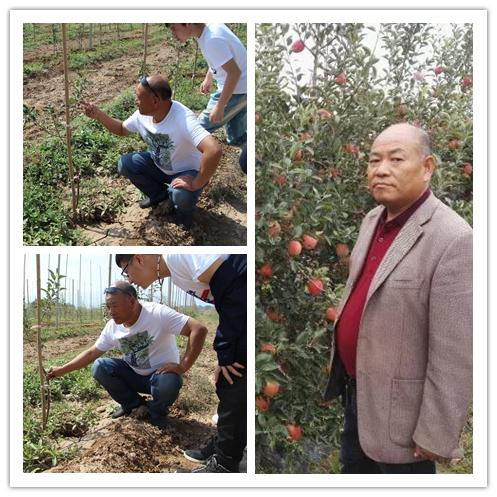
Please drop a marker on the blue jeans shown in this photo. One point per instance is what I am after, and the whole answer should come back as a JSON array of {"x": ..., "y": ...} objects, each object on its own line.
[
  {"x": 141, "y": 170},
  {"x": 235, "y": 118},
  {"x": 353, "y": 458},
  {"x": 124, "y": 385}
]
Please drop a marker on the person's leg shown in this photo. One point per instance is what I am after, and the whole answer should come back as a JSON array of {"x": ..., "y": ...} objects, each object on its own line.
[
  {"x": 204, "y": 117},
  {"x": 243, "y": 159},
  {"x": 184, "y": 201},
  {"x": 141, "y": 170},
  {"x": 352, "y": 457},
  {"x": 236, "y": 120},
  {"x": 418, "y": 467},
  {"x": 120, "y": 381},
  {"x": 164, "y": 388},
  {"x": 232, "y": 423}
]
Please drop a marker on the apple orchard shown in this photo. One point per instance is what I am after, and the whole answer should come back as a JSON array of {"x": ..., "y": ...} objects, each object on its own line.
[{"x": 314, "y": 127}]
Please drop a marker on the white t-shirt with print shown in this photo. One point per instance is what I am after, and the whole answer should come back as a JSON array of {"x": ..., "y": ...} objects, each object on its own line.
[
  {"x": 219, "y": 45},
  {"x": 173, "y": 141},
  {"x": 185, "y": 270},
  {"x": 150, "y": 342}
]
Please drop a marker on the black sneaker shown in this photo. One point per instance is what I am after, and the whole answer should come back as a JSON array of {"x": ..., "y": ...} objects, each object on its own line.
[
  {"x": 202, "y": 454},
  {"x": 212, "y": 466},
  {"x": 145, "y": 203},
  {"x": 160, "y": 423},
  {"x": 120, "y": 411}
]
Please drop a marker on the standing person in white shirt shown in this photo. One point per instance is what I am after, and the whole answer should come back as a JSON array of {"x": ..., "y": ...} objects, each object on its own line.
[
  {"x": 219, "y": 279},
  {"x": 181, "y": 157},
  {"x": 146, "y": 334},
  {"x": 227, "y": 59}
]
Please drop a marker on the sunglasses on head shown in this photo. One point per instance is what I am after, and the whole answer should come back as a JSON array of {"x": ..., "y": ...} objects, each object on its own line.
[{"x": 144, "y": 82}]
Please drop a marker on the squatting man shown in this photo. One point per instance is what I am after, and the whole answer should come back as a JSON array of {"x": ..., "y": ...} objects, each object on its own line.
[
  {"x": 181, "y": 157},
  {"x": 145, "y": 332}
]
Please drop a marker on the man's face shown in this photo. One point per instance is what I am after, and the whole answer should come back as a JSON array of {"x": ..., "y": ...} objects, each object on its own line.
[
  {"x": 398, "y": 172},
  {"x": 145, "y": 100},
  {"x": 119, "y": 307},
  {"x": 181, "y": 32},
  {"x": 141, "y": 270}
]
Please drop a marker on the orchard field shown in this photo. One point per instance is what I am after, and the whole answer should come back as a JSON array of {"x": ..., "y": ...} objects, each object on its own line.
[
  {"x": 324, "y": 91},
  {"x": 105, "y": 62}
]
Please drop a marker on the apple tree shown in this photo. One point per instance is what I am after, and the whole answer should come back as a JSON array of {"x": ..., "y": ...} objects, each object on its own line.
[{"x": 323, "y": 92}]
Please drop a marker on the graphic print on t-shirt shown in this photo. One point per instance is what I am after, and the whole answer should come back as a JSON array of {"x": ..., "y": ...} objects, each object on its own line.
[
  {"x": 160, "y": 147},
  {"x": 135, "y": 349}
]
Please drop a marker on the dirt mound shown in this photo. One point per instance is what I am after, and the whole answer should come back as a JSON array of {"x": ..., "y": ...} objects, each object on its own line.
[{"x": 133, "y": 445}]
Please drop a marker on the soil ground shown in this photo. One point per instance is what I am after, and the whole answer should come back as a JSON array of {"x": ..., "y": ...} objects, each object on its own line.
[{"x": 221, "y": 216}]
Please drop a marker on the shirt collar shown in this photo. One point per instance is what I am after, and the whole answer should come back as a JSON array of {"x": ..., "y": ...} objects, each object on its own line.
[{"x": 402, "y": 218}]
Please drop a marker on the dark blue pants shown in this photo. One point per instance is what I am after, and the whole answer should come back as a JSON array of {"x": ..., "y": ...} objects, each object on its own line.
[
  {"x": 124, "y": 385},
  {"x": 229, "y": 289},
  {"x": 141, "y": 170},
  {"x": 353, "y": 458}
]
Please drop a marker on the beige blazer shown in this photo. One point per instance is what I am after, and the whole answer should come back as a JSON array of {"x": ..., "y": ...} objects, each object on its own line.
[{"x": 414, "y": 351}]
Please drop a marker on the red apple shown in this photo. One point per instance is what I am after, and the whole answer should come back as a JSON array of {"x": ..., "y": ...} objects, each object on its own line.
[
  {"x": 274, "y": 229},
  {"x": 341, "y": 79},
  {"x": 342, "y": 250},
  {"x": 297, "y": 156},
  {"x": 315, "y": 286},
  {"x": 467, "y": 81},
  {"x": 297, "y": 46},
  {"x": 271, "y": 389},
  {"x": 418, "y": 76},
  {"x": 350, "y": 148},
  {"x": 280, "y": 180},
  {"x": 274, "y": 316},
  {"x": 294, "y": 248},
  {"x": 268, "y": 347},
  {"x": 324, "y": 114},
  {"x": 309, "y": 242},
  {"x": 262, "y": 404},
  {"x": 266, "y": 271},
  {"x": 438, "y": 70},
  {"x": 454, "y": 144},
  {"x": 468, "y": 169},
  {"x": 331, "y": 314},
  {"x": 294, "y": 431}
]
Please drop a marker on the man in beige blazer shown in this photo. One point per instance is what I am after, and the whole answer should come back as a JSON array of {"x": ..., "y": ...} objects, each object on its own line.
[{"x": 402, "y": 348}]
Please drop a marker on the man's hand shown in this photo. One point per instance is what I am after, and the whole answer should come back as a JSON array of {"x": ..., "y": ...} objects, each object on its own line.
[
  {"x": 55, "y": 372},
  {"x": 217, "y": 114},
  {"x": 205, "y": 86},
  {"x": 420, "y": 453},
  {"x": 226, "y": 371},
  {"x": 172, "y": 367},
  {"x": 91, "y": 110},
  {"x": 185, "y": 183}
]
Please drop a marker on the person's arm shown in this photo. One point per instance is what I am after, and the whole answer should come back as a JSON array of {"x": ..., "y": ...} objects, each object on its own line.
[
  {"x": 80, "y": 361},
  {"x": 233, "y": 76},
  {"x": 211, "y": 155},
  {"x": 114, "y": 125},
  {"x": 196, "y": 333},
  {"x": 447, "y": 391},
  {"x": 205, "y": 87}
]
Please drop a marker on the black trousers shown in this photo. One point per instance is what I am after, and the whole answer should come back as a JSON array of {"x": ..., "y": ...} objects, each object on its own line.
[
  {"x": 353, "y": 458},
  {"x": 232, "y": 423},
  {"x": 229, "y": 288}
]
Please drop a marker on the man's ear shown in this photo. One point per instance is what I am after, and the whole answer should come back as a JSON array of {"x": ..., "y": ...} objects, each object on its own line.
[
  {"x": 139, "y": 260},
  {"x": 429, "y": 164}
]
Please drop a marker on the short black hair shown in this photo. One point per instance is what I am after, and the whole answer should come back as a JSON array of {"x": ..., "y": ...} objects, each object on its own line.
[{"x": 122, "y": 259}]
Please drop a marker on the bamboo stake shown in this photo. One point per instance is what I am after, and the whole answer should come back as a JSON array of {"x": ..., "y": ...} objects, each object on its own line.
[
  {"x": 24, "y": 286},
  {"x": 145, "y": 47},
  {"x": 41, "y": 371},
  {"x": 57, "y": 306},
  {"x": 68, "y": 123},
  {"x": 110, "y": 269}
]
